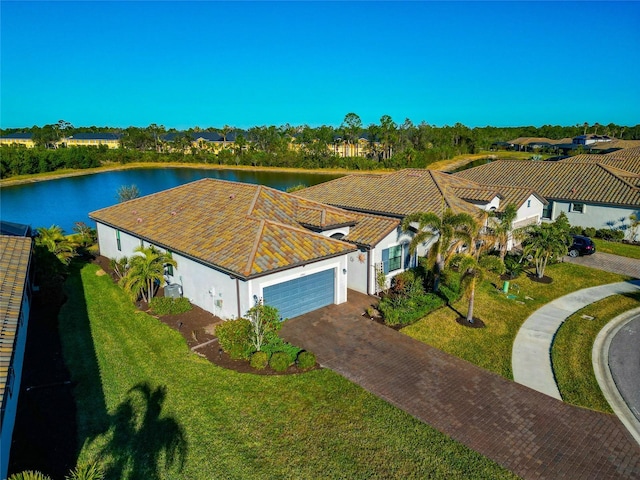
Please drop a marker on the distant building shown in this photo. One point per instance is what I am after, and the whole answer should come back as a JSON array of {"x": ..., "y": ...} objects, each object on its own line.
[
  {"x": 591, "y": 139},
  {"x": 19, "y": 138},
  {"x": 91, "y": 139}
]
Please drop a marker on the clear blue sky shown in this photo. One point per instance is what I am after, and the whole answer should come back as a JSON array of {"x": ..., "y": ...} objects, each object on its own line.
[{"x": 204, "y": 64}]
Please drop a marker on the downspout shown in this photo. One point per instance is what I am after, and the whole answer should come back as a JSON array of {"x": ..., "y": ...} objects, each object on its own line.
[
  {"x": 238, "y": 296},
  {"x": 369, "y": 271}
]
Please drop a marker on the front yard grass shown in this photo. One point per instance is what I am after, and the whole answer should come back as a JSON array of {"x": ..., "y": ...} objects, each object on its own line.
[
  {"x": 572, "y": 346},
  {"x": 150, "y": 408},
  {"x": 617, "y": 248},
  {"x": 491, "y": 347}
]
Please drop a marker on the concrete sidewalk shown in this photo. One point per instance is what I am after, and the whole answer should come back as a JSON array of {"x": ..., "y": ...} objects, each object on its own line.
[{"x": 531, "y": 355}]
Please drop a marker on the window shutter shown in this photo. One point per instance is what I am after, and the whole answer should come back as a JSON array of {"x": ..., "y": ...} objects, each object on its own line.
[{"x": 385, "y": 260}]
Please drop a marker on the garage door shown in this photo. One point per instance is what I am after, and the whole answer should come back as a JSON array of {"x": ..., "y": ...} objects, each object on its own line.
[{"x": 301, "y": 295}]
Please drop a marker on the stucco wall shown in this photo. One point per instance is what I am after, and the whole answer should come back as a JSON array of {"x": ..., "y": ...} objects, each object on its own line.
[{"x": 595, "y": 215}]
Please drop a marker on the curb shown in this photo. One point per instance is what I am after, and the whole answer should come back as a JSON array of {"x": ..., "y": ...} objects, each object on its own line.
[{"x": 599, "y": 358}]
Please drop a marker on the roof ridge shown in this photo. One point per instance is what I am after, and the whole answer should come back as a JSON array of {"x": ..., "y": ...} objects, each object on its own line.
[
  {"x": 254, "y": 249},
  {"x": 610, "y": 169},
  {"x": 254, "y": 201}
]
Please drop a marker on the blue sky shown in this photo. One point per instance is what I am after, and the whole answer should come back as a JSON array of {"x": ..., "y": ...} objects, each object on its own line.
[{"x": 204, "y": 64}]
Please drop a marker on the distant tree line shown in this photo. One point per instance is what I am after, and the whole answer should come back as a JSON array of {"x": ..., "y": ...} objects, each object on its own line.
[{"x": 386, "y": 144}]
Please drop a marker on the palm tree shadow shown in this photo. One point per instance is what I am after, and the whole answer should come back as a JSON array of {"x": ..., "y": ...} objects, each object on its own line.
[{"x": 144, "y": 441}]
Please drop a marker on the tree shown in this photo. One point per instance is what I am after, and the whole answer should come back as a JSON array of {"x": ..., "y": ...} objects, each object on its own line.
[
  {"x": 127, "y": 192},
  {"x": 451, "y": 231},
  {"x": 264, "y": 320},
  {"x": 635, "y": 225},
  {"x": 56, "y": 242},
  {"x": 224, "y": 132},
  {"x": 473, "y": 270},
  {"x": 502, "y": 227},
  {"x": 352, "y": 126},
  {"x": 547, "y": 241},
  {"x": 146, "y": 272}
]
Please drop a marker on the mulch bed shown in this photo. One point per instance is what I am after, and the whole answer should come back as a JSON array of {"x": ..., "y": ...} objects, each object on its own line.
[
  {"x": 197, "y": 326},
  {"x": 477, "y": 323}
]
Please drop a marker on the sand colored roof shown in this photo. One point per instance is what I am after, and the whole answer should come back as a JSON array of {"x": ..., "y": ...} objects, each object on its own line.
[
  {"x": 572, "y": 181},
  {"x": 627, "y": 160},
  {"x": 615, "y": 143},
  {"x": 528, "y": 140},
  {"x": 246, "y": 230},
  {"x": 396, "y": 194},
  {"x": 15, "y": 254}
]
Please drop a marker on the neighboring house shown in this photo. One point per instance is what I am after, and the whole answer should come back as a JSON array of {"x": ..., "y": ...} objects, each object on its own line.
[
  {"x": 362, "y": 148},
  {"x": 401, "y": 193},
  {"x": 235, "y": 243},
  {"x": 20, "y": 138},
  {"x": 206, "y": 140},
  {"x": 15, "y": 301},
  {"x": 598, "y": 195},
  {"x": 111, "y": 140},
  {"x": 591, "y": 139}
]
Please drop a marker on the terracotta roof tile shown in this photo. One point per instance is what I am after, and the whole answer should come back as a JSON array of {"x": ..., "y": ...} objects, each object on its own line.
[
  {"x": 15, "y": 254},
  {"x": 581, "y": 181},
  {"x": 244, "y": 229}
]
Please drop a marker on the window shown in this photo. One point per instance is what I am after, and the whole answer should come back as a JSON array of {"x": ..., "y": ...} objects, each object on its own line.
[
  {"x": 118, "y": 240},
  {"x": 528, "y": 203},
  {"x": 392, "y": 259},
  {"x": 168, "y": 268},
  {"x": 577, "y": 207},
  {"x": 547, "y": 211}
]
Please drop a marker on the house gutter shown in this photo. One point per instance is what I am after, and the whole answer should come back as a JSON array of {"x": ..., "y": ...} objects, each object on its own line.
[{"x": 238, "y": 296}]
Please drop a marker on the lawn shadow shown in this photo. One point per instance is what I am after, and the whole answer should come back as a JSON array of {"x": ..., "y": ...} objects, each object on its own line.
[
  {"x": 138, "y": 437},
  {"x": 142, "y": 437}
]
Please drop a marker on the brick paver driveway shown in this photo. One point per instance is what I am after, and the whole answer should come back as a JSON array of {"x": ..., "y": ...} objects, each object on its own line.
[
  {"x": 531, "y": 434},
  {"x": 609, "y": 263}
]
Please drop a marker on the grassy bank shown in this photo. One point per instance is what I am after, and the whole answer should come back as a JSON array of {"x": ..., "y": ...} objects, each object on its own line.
[
  {"x": 150, "y": 408},
  {"x": 491, "y": 347},
  {"x": 572, "y": 346},
  {"x": 617, "y": 248}
]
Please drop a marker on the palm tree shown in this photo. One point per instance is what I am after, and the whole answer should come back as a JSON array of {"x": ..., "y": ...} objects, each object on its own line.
[
  {"x": 56, "y": 242},
  {"x": 502, "y": 228},
  {"x": 546, "y": 241},
  {"x": 473, "y": 270},
  {"x": 145, "y": 272},
  {"x": 452, "y": 230}
]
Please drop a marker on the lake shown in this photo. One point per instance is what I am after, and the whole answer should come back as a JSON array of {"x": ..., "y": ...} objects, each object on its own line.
[{"x": 65, "y": 201}]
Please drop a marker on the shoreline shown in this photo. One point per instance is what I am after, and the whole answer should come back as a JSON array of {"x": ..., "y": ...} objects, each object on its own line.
[
  {"x": 41, "y": 177},
  {"x": 441, "y": 165}
]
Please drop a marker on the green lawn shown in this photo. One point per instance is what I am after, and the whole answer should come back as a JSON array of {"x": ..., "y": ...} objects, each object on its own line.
[
  {"x": 617, "y": 248},
  {"x": 572, "y": 346},
  {"x": 491, "y": 347},
  {"x": 150, "y": 408}
]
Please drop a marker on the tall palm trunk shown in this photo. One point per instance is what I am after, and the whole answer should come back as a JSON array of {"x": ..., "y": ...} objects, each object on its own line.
[{"x": 472, "y": 299}]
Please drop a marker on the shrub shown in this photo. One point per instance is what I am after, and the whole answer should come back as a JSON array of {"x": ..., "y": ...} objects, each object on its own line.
[
  {"x": 306, "y": 360},
  {"x": 259, "y": 360},
  {"x": 575, "y": 230},
  {"x": 403, "y": 311},
  {"x": 280, "y": 361},
  {"x": 169, "y": 306},
  {"x": 590, "y": 232},
  {"x": 233, "y": 336},
  {"x": 274, "y": 344},
  {"x": 609, "y": 234},
  {"x": 514, "y": 265},
  {"x": 450, "y": 288}
]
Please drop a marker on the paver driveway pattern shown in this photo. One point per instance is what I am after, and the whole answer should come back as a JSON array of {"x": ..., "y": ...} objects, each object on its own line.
[
  {"x": 608, "y": 263},
  {"x": 529, "y": 433}
]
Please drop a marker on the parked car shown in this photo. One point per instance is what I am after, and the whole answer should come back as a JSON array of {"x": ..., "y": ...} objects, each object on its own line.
[{"x": 581, "y": 246}]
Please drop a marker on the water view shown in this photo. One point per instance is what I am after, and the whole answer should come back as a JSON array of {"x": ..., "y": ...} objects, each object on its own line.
[{"x": 68, "y": 200}]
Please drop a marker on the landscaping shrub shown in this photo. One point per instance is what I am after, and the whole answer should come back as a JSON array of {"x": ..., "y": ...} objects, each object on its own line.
[
  {"x": 589, "y": 232},
  {"x": 280, "y": 361},
  {"x": 259, "y": 360},
  {"x": 169, "y": 306},
  {"x": 609, "y": 234},
  {"x": 514, "y": 265},
  {"x": 306, "y": 360},
  {"x": 398, "y": 310},
  {"x": 233, "y": 336},
  {"x": 274, "y": 344},
  {"x": 450, "y": 288}
]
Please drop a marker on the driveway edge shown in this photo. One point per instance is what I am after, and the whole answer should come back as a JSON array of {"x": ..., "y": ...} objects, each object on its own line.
[{"x": 600, "y": 360}]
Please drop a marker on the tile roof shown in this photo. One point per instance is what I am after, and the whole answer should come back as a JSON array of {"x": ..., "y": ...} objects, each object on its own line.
[
  {"x": 580, "y": 181},
  {"x": 401, "y": 193},
  {"x": 17, "y": 136},
  {"x": 628, "y": 160},
  {"x": 15, "y": 254},
  {"x": 246, "y": 230},
  {"x": 95, "y": 136},
  {"x": 528, "y": 140}
]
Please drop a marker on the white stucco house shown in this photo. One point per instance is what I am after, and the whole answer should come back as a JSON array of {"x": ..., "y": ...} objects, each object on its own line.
[
  {"x": 599, "y": 191},
  {"x": 236, "y": 243},
  {"x": 399, "y": 194}
]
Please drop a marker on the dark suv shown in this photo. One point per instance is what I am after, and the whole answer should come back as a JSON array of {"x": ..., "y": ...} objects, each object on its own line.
[{"x": 581, "y": 246}]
